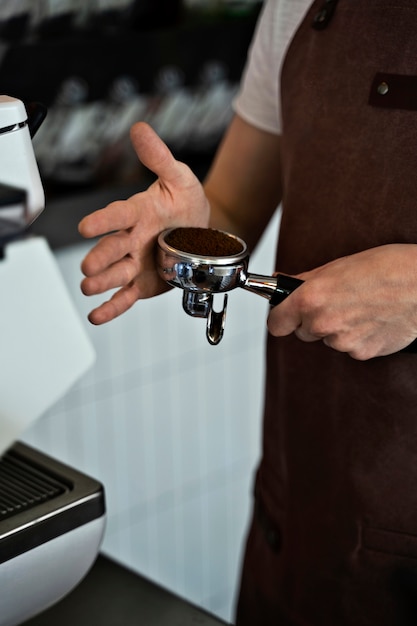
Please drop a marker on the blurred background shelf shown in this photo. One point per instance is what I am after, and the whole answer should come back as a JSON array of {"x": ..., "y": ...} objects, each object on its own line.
[{"x": 177, "y": 69}]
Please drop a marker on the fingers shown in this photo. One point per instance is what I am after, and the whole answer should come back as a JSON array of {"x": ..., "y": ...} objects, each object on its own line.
[
  {"x": 123, "y": 258},
  {"x": 119, "y": 303},
  {"x": 126, "y": 296},
  {"x": 285, "y": 318},
  {"x": 105, "y": 253},
  {"x": 125, "y": 214},
  {"x": 119, "y": 215},
  {"x": 118, "y": 275},
  {"x": 302, "y": 315},
  {"x": 296, "y": 315},
  {"x": 305, "y": 335},
  {"x": 155, "y": 154}
]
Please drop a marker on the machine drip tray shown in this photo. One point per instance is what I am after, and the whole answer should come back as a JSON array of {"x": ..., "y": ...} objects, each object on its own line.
[
  {"x": 51, "y": 526},
  {"x": 41, "y": 499},
  {"x": 24, "y": 486},
  {"x": 52, "y": 521}
]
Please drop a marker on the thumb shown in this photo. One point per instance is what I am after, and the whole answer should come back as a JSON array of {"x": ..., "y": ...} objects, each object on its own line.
[{"x": 154, "y": 154}]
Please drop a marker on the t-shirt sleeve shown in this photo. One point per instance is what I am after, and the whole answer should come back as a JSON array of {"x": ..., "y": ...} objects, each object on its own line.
[{"x": 258, "y": 99}]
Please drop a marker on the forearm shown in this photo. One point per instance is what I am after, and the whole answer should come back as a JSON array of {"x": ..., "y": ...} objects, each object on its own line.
[{"x": 243, "y": 185}]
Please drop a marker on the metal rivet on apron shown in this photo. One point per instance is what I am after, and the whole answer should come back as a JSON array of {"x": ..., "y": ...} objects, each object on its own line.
[
  {"x": 320, "y": 17},
  {"x": 323, "y": 17},
  {"x": 383, "y": 88}
]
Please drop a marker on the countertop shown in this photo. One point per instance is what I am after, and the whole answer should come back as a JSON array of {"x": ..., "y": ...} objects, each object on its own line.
[{"x": 112, "y": 595}]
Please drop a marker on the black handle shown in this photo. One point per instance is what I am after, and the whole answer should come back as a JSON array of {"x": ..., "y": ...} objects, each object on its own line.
[
  {"x": 285, "y": 286},
  {"x": 36, "y": 114}
]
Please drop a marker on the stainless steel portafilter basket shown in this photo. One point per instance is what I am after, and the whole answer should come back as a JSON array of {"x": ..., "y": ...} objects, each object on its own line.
[{"x": 206, "y": 261}]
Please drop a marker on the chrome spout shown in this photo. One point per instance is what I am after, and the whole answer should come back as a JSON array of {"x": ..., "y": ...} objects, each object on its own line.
[{"x": 199, "y": 304}]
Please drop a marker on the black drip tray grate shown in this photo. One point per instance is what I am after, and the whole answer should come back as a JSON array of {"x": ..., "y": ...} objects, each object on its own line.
[
  {"x": 23, "y": 485},
  {"x": 41, "y": 499}
]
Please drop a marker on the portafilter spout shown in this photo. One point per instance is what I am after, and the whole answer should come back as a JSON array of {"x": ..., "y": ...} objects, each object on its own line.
[{"x": 206, "y": 261}]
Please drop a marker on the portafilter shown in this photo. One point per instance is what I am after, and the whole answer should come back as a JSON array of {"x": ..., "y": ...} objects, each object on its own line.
[{"x": 206, "y": 261}]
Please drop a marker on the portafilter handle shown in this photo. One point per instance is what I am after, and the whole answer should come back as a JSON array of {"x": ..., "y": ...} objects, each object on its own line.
[{"x": 274, "y": 288}]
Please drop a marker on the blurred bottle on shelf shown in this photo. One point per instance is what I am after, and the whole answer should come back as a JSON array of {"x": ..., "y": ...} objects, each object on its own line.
[
  {"x": 57, "y": 145},
  {"x": 172, "y": 102},
  {"x": 212, "y": 109},
  {"x": 109, "y": 152},
  {"x": 84, "y": 142}
]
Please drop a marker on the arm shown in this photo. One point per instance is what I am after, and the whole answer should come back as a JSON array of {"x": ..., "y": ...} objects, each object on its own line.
[
  {"x": 240, "y": 195},
  {"x": 244, "y": 183}
]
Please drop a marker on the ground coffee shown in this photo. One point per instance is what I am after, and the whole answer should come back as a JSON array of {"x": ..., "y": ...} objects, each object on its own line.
[{"x": 204, "y": 242}]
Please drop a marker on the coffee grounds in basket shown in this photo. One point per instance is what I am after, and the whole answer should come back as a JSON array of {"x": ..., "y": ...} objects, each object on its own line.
[{"x": 203, "y": 242}]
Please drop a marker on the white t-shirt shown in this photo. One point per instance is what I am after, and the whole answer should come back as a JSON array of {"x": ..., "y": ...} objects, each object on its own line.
[{"x": 258, "y": 100}]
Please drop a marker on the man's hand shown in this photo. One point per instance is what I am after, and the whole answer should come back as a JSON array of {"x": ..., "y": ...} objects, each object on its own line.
[
  {"x": 364, "y": 304},
  {"x": 123, "y": 258}
]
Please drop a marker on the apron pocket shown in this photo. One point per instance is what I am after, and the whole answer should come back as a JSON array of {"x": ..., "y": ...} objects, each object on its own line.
[{"x": 389, "y": 542}]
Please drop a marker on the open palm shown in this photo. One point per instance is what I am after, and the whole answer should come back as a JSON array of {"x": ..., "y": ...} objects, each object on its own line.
[{"x": 124, "y": 257}]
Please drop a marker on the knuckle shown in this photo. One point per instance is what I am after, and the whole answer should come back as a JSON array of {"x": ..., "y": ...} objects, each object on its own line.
[
  {"x": 319, "y": 327},
  {"x": 361, "y": 353},
  {"x": 357, "y": 351},
  {"x": 310, "y": 298},
  {"x": 124, "y": 272}
]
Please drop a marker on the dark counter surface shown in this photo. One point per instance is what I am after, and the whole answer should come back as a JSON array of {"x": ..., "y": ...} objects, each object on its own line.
[{"x": 112, "y": 595}]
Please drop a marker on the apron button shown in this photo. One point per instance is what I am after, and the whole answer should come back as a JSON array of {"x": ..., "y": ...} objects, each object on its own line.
[{"x": 383, "y": 88}]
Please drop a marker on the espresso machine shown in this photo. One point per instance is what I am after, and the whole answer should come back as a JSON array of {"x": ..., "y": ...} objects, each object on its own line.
[{"x": 52, "y": 517}]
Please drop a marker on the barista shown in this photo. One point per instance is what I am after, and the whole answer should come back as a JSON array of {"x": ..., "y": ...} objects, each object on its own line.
[{"x": 334, "y": 534}]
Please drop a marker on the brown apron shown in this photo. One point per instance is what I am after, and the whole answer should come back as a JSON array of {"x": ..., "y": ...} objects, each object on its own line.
[{"x": 334, "y": 536}]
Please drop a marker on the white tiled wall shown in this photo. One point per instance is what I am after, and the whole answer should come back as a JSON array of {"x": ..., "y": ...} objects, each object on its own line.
[{"x": 171, "y": 426}]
